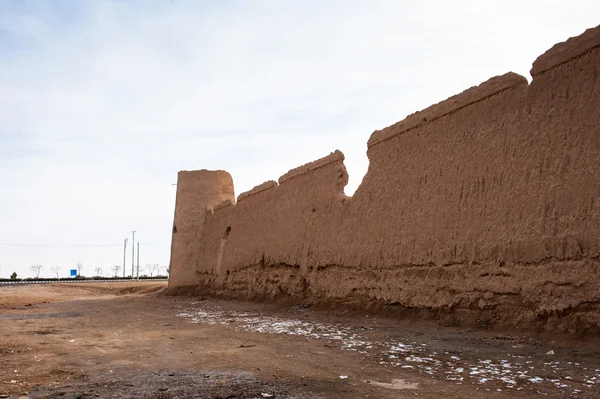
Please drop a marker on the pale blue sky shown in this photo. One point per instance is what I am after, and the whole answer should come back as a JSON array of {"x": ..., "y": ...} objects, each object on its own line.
[{"x": 102, "y": 102}]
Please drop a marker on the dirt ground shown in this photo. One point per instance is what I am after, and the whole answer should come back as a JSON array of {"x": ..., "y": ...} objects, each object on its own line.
[{"x": 129, "y": 340}]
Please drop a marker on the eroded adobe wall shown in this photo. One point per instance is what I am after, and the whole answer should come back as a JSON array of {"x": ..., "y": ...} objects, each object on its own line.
[
  {"x": 274, "y": 226},
  {"x": 196, "y": 190},
  {"x": 484, "y": 207}
]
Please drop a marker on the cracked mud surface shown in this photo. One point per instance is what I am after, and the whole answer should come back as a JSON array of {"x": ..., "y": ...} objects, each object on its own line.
[{"x": 125, "y": 340}]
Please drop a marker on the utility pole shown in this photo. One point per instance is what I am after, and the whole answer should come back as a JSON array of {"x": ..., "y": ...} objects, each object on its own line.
[
  {"x": 138, "y": 261},
  {"x": 132, "y": 253},
  {"x": 124, "y": 253}
]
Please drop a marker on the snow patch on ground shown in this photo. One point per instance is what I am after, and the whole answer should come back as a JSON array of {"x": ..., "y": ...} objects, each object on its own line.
[{"x": 518, "y": 373}]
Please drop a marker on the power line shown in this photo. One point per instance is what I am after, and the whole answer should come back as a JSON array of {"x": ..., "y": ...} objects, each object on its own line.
[
  {"x": 58, "y": 246},
  {"x": 10, "y": 244}
]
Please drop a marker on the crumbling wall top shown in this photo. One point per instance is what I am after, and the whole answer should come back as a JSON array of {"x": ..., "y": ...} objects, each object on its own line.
[
  {"x": 336, "y": 156},
  {"x": 470, "y": 96},
  {"x": 258, "y": 189},
  {"x": 223, "y": 204},
  {"x": 566, "y": 51}
]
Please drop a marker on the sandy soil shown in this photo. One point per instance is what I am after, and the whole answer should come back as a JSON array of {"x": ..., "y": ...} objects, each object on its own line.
[{"x": 129, "y": 340}]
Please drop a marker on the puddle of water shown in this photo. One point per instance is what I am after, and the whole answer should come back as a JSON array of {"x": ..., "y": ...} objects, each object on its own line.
[{"x": 513, "y": 373}]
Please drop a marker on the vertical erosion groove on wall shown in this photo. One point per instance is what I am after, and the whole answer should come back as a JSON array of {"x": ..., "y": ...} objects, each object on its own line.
[
  {"x": 481, "y": 209},
  {"x": 222, "y": 248}
]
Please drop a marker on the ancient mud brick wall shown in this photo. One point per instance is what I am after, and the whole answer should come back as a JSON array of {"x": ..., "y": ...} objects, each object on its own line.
[{"x": 482, "y": 208}]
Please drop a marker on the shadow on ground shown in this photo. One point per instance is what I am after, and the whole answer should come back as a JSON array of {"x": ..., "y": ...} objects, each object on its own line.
[{"x": 178, "y": 385}]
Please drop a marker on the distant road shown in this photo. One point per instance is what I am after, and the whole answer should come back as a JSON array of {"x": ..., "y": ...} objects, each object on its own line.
[{"x": 4, "y": 283}]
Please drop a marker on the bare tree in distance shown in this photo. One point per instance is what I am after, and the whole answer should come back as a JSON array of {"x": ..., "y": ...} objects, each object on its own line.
[
  {"x": 156, "y": 267},
  {"x": 98, "y": 271},
  {"x": 79, "y": 267},
  {"x": 116, "y": 269},
  {"x": 55, "y": 270},
  {"x": 36, "y": 269},
  {"x": 149, "y": 268}
]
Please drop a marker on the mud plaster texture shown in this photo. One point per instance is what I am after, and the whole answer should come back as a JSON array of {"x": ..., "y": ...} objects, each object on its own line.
[
  {"x": 196, "y": 190},
  {"x": 483, "y": 208}
]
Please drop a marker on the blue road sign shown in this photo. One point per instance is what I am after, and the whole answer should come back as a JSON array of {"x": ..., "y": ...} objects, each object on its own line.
[{"x": 73, "y": 272}]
